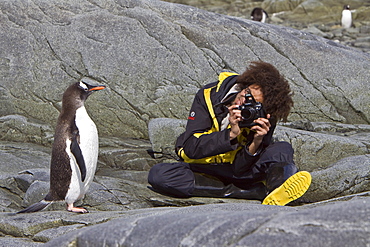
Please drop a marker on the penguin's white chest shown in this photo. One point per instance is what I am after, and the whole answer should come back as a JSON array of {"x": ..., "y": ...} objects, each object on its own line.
[
  {"x": 263, "y": 17},
  {"x": 89, "y": 145},
  {"x": 346, "y": 18}
]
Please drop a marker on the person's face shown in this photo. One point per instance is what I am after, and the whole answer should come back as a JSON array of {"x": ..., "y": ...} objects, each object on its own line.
[{"x": 254, "y": 89}]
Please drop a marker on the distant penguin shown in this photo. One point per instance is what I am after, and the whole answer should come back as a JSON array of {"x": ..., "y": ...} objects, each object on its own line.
[
  {"x": 74, "y": 152},
  {"x": 346, "y": 17},
  {"x": 258, "y": 14}
]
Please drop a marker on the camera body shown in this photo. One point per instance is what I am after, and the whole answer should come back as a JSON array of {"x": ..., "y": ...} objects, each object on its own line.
[{"x": 251, "y": 110}]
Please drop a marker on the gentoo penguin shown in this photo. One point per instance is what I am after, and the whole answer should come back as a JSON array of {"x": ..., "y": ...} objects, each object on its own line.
[
  {"x": 74, "y": 152},
  {"x": 346, "y": 17},
  {"x": 258, "y": 14}
]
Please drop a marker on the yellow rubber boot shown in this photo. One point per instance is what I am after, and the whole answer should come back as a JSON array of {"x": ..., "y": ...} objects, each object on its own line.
[{"x": 293, "y": 188}]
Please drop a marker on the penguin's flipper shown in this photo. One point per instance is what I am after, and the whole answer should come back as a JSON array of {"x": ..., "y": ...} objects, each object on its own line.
[
  {"x": 35, "y": 207},
  {"x": 76, "y": 151}
]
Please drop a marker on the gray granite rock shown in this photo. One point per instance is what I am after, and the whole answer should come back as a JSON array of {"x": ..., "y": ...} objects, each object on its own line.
[
  {"x": 241, "y": 224},
  {"x": 348, "y": 176},
  {"x": 319, "y": 17},
  {"x": 163, "y": 133},
  {"x": 315, "y": 151},
  {"x": 151, "y": 73}
]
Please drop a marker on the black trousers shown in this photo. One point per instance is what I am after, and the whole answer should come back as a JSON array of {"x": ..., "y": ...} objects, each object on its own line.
[{"x": 177, "y": 179}]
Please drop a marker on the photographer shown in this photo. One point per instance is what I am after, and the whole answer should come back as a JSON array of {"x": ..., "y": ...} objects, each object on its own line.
[{"x": 227, "y": 148}]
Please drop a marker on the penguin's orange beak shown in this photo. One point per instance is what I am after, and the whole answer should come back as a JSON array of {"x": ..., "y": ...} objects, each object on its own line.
[{"x": 97, "y": 88}]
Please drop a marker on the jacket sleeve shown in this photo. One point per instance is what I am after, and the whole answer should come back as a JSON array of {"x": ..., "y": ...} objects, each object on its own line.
[
  {"x": 244, "y": 160},
  {"x": 197, "y": 143}
]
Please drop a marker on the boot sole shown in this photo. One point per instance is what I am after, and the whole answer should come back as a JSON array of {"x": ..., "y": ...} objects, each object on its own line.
[{"x": 293, "y": 188}]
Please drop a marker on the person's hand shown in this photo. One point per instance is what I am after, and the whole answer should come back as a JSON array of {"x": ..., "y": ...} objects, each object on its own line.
[
  {"x": 235, "y": 116},
  {"x": 262, "y": 128},
  {"x": 260, "y": 131}
]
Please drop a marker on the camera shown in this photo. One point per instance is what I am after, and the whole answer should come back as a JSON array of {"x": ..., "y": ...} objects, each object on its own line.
[{"x": 251, "y": 110}]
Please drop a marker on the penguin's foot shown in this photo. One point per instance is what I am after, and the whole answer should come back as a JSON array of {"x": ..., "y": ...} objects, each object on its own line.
[{"x": 73, "y": 209}]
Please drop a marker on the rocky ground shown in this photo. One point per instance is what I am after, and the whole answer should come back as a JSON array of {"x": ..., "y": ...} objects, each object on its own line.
[
  {"x": 321, "y": 18},
  {"x": 122, "y": 208},
  {"x": 226, "y": 224}
]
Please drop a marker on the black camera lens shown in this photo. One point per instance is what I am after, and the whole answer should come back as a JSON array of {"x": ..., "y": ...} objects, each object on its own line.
[{"x": 249, "y": 114}]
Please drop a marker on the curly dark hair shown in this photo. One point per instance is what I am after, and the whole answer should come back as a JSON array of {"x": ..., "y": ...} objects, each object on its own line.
[{"x": 277, "y": 96}]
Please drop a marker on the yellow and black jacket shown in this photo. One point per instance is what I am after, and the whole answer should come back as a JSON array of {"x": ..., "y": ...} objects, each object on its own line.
[{"x": 204, "y": 142}]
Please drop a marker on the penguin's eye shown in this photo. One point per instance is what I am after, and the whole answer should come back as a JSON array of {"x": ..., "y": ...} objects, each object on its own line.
[{"x": 83, "y": 86}]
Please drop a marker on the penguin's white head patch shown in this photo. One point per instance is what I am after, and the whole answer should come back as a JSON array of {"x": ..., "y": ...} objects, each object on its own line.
[{"x": 83, "y": 85}]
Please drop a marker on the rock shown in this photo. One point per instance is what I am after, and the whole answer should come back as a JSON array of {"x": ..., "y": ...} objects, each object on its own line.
[
  {"x": 301, "y": 14},
  {"x": 228, "y": 224},
  {"x": 365, "y": 29},
  {"x": 154, "y": 74},
  {"x": 352, "y": 178},
  {"x": 272, "y": 6},
  {"x": 35, "y": 193},
  {"x": 12, "y": 242},
  {"x": 40, "y": 224},
  {"x": 49, "y": 234},
  {"x": 127, "y": 154},
  {"x": 19, "y": 128},
  {"x": 163, "y": 133},
  {"x": 314, "y": 30},
  {"x": 363, "y": 42},
  {"x": 326, "y": 148}
]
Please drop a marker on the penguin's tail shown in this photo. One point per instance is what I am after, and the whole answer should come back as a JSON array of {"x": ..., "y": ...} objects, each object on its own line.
[{"x": 35, "y": 207}]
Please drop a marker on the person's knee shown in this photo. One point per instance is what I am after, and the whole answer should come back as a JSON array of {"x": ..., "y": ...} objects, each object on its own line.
[
  {"x": 175, "y": 179},
  {"x": 277, "y": 152},
  {"x": 280, "y": 147},
  {"x": 154, "y": 177},
  {"x": 283, "y": 145}
]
